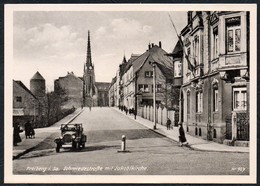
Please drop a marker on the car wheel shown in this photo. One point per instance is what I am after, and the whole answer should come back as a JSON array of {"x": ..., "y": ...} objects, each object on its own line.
[
  {"x": 58, "y": 148},
  {"x": 77, "y": 146},
  {"x": 83, "y": 145},
  {"x": 73, "y": 145}
]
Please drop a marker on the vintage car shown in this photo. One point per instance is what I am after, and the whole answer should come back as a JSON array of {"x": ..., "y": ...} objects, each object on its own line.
[{"x": 71, "y": 134}]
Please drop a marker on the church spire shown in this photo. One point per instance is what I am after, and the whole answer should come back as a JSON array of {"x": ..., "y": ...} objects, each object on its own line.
[{"x": 89, "y": 59}]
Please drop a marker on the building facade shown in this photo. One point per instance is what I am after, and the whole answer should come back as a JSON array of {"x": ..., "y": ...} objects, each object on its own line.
[
  {"x": 137, "y": 80},
  {"x": 30, "y": 105},
  {"x": 70, "y": 87},
  {"x": 84, "y": 91},
  {"x": 216, "y": 75}
]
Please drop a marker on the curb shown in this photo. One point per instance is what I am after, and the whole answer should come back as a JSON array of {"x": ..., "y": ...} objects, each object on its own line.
[
  {"x": 189, "y": 146},
  {"x": 33, "y": 147}
]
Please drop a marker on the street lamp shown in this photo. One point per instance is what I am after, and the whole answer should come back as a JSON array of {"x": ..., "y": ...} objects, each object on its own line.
[{"x": 154, "y": 93}]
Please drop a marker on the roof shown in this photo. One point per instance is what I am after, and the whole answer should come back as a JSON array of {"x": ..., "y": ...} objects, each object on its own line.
[
  {"x": 155, "y": 54},
  {"x": 102, "y": 85},
  {"x": 70, "y": 74},
  {"x": 37, "y": 76},
  {"x": 130, "y": 61},
  {"x": 24, "y": 87},
  {"x": 167, "y": 72},
  {"x": 177, "y": 51}
]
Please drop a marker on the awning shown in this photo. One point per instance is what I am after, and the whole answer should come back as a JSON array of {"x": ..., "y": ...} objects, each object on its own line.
[{"x": 18, "y": 112}]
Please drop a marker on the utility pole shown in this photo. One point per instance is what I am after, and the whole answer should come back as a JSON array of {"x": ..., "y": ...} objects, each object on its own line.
[{"x": 154, "y": 94}]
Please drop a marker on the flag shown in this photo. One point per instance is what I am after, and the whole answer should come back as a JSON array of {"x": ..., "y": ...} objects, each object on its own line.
[{"x": 190, "y": 66}]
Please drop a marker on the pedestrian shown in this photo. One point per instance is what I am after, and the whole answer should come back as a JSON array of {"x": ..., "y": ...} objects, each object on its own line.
[
  {"x": 32, "y": 132},
  {"x": 27, "y": 128},
  {"x": 89, "y": 107},
  {"x": 16, "y": 134},
  {"x": 182, "y": 138},
  {"x": 168, "y": 124}
]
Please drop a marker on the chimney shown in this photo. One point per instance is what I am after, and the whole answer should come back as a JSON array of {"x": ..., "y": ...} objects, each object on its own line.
[
  {"x": 160, "y": 44},
  {"x": 149, "y": 46},
  {"x": 152, "y": 45}
]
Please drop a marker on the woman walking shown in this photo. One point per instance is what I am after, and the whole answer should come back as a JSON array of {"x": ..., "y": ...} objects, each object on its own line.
[{"x": 182, "y": 138}]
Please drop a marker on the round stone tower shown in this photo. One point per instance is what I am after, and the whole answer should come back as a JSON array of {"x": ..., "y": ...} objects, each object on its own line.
[{"x": 37, "y": 85}]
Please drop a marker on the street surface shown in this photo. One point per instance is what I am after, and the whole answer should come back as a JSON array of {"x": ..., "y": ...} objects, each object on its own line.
[{"x": 150, "y": 153}]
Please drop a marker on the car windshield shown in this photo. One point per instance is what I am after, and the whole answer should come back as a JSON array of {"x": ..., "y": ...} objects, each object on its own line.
[{"x": 69, "y": 127}]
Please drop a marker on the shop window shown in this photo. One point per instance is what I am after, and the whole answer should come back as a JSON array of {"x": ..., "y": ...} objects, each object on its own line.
[
  {"x": 199, "y": 131},
  {"x": 148, "y": 74},
  {"x": 215, "y": 100},
  {"x": 18, "y": 99},
  {"x": 239, "y": 98},
  {"x": 233, "y": 34},
  {"x": 199, "y": 102}
]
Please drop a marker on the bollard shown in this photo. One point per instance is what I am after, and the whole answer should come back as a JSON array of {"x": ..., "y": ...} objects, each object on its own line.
[{"x": 123, "y": 144}]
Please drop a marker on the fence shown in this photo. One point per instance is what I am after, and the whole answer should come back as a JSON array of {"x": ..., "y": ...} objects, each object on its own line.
[
  {"x": 162, "y": 114},
  {"x": 241, "y": 126}
]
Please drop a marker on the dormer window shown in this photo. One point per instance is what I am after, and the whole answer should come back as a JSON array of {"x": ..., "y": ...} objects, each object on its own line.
[{"x": 148, "y": 74}]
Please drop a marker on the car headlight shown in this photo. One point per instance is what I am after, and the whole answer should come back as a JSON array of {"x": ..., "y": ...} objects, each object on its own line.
[{"x": 73, "y": 136}]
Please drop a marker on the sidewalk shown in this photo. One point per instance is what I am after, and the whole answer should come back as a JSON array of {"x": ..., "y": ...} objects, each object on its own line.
[
  {"x": 41, "y": 134},
  {"x": 194, "y": 142}
]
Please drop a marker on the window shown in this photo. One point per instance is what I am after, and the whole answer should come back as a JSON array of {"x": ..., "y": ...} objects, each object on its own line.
[
  {"x": 188, "y": 102},
  {"x": 177, "y": 69},
  {"x": 196, "y": 50},
  {"x": 199, "y": 102},
  {"x": 215, "y": 100},
  {"x": 18, "y": 99},
  {"x": 240, "y": 98},
  {"x": 148, "y": 74},
  {"x": 158, "y": 88},
  {"x": 143, "y": 88},
  {"x": 233, "y": 34},
  {"x": 215, "y": 42}
]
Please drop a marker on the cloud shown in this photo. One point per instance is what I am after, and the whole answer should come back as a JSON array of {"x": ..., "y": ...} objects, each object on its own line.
[
  {"x": 46, "y": 40},
  {"x": 129, "y": 28}
]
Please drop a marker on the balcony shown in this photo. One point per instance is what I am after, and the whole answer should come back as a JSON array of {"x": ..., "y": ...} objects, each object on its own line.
[{"x": 233, "y": 61}]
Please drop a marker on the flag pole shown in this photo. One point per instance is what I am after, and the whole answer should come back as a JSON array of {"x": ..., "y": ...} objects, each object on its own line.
[{"x": 179, "y": 37}]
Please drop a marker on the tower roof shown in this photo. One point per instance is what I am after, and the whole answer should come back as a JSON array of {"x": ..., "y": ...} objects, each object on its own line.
[
  {"x": 89, "y": 59},
  {"x": 37, "y": 76}
]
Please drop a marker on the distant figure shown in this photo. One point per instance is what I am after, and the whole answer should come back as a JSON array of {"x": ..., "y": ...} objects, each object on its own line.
[
  {"x": 168, "y": 124},
  {"x": 29, "y": 131},
  {"x": 16, "y": 134},
  {"x": 182, "y": 138},
  {"x": 89, "y": 107},
  {"x": 27, "y": 128}
]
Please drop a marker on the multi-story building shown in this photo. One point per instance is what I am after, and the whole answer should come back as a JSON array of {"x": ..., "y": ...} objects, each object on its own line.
[
  {"x": 30, "y": 105},
  {"x": 112, "y": 93},
  {"x": 216, "y": 75},
  {"x": 70, "y": 87},
  {"x": 137, "y": 80}
]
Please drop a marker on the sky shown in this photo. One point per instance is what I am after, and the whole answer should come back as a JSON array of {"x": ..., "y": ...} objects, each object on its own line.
[{"x": 55, "y": 42}]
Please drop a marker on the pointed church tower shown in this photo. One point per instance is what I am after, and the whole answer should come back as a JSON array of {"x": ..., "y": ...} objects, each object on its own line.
[{"x": 89, "y": 79}]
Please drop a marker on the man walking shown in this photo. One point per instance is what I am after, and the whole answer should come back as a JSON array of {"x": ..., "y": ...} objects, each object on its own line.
[{"x": 168, "y": 124}]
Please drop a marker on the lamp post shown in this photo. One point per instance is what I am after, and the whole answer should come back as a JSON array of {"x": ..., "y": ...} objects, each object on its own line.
[{"x": 154, "y": 94}]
